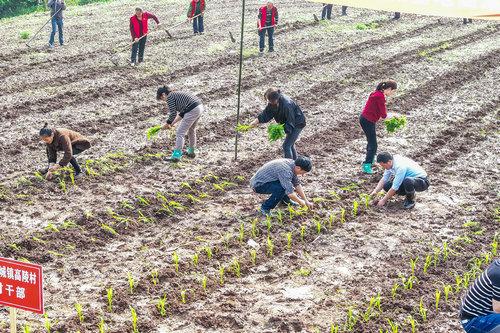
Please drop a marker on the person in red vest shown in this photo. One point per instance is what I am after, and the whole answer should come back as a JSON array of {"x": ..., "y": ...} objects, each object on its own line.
[
  {"x": 268, "y": 19},
  {"x": 139, "y": 31},
  {"x": 196, "y": 10}
]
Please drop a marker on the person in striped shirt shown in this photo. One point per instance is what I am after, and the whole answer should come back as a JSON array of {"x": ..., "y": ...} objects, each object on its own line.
[
  {"x": 186, "y": 109},
  {"x": 480, "y": 310}
]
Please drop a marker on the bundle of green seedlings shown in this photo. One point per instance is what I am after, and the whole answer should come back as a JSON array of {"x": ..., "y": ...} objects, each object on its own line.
[
  {"x": 152, "y": 132},
  {"x": 395, "y": 123},
  {"x": 276, "y": 132},
  {"x": 242, "y": 128}
]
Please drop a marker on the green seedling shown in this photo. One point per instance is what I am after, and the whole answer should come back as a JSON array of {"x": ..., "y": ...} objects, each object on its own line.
[
  {"x": 351, "y": 320},
  {"x": 289, "y": 240},
  {"x": 208, "y": 251},
  {"x": 126, "y": 204},
  {"x": 68, "y": 224},
  {"x": 204, "y": 283},
  {"x": 279, "y": 216},
  {"x": 413, "y": 265},
  {"x": 183, "y": 296},
  {"x": 109, "y": 229},
  {"x": 152, "y": 132},
  {"x": 447, "y": 289},
  {"x": 270, "y": 246},
  {"x": 46, "y": 323},
  {"x": 88, "y": 168},
  {"x": 236, "y": 268},
  {"x": 175, "y": 260},
  {"x": 255, "y": 230},
  {"x": 446, "y": 251},
  {"x": 193, "y": 199},
  {"x": 303, "y": 272},
  {"x": 109, "y": 295},
  {"x": 366, "y": 199},
  {"x": 302, "y": 232},
  {"x": 458, "y": 283},
  {"x": 226, "y": 239},
  {"x": 355, "y": 208},
  {"x": 154, "y": 277},
  {"x": 395, "y": 123},
  {"x": 24, "y": 34},
  {"x": 318, "y": 227},
  {"x": 186, "y": 186},
  {"x": 331, "y": 218},
  {"x": 161, "y": 197},
  {"x": 79, "y": 312},
  {"x": 494, "y": 248},
  {"x": 241, "y": 233},
  {"x": 428, "y": 262},
  {"x": 334, "y": 328},
  {"x": 143, "y": 218},
  {"x": 176, "y": 205},
  {"x": 27, "y": 328},
  {"x": 393, "y": 325},
  {"x": 437, "y": 252},
  {"x": 408, "y": 282},
  {"x": 276, "y": 132},
  {"x": 413, "y": 323},
  {"x": 51, "y": 228},
  {"x": 342, "y": 216},
  {"x": 143, "y": 201},
  {"x": 268, "y": 223},
  {"x": 438, "y": 297},
  {"x": 133, "y": 313},
  {"x": 241, "y": 128},
  {"x": 221, "y": 275},
  {"x": 161, "y": 305},
  {"x": 39, "y": 176},
  {"x": 195, "y": 259},
  {"x": 101, "y": 326},
  {"x": 131, "y": 283},
  {"x": 394, "y": 290},
  {"x": 422, "y": 310},
  {"x": 253, "y": 256}
]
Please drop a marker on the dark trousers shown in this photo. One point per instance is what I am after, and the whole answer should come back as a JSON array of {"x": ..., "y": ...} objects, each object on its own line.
[
  {"x": 77, "y": 148},
  {"x": 139, "y": 46},
  {"x": 344, "y": 10},
  {"x": 289, "y": 143},
  {"x": 397, "y": 15},
  {"x": 410, "y": 185},
  {"x": 262, "y": 36},
  {"x": 277, "y": 194},
  {"x": 198, "y": 24},
  {"x": 327, "y": 12},
  {"x": 371, "y": 136},
  {"x": 57, "y": 25}
]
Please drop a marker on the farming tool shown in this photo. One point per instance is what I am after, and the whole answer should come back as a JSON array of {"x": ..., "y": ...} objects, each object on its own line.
[
  {"x": 43, "y": 26},
  {"x": 316, "y": 17},
  {"x": 178, "y": 24},
  {"x": 115, "y": 59},
  {"x": 234, "y": 40}
]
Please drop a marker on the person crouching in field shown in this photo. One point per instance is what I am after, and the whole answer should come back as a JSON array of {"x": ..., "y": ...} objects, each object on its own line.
[
  {"x": 480, "y": 310},
  {"x": 197, "y": 8},
  {"x": 60, "y": 139},
  {"x": 374, "y": 110},
  {"x": 279, "y": 178},
  {"x": 185, "y": 108},
  {"x": 139, "y": 31},
  {"x": 402, "y": 176},
  {"x": 267, "y": 21},
  {"x": 284, "y": 111}
]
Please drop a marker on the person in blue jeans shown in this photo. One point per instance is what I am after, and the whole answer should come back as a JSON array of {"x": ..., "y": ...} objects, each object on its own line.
[
  {"x": 326, "y": 13},
  {"x": 280, "y": 179},
  {"x": 284, "y": 111},
  {"x": 56, "y": 11},
  {"x": 267, "y": 21},
  {"x": 480, "y": 310},
  {"x": 195, "y": 12},
  {"x": 402, "y": 176}
]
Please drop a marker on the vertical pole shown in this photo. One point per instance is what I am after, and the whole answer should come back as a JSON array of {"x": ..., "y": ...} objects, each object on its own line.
[
  {"x": 239, "y": 79},
  {"x": 13, "y": 320}
]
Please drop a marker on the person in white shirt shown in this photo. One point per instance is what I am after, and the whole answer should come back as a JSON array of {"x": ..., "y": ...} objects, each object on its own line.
[{"x": 402, "y": 176}]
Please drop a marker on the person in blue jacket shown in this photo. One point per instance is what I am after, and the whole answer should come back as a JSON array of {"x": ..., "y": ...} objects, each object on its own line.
[{"x": 284, "y": 111}]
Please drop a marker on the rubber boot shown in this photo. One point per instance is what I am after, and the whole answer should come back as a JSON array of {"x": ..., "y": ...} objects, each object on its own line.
[
  {"x": 409, "y": 201},
  {"x": 190, "y": 152},
  {"x": 176, "y": 156},
  {"x": 367, "y": 168}
]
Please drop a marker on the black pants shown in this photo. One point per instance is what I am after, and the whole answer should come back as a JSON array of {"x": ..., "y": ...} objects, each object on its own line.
[
  {"x": 344, "y": 10},
  {"x": 77, "y": 149},
  {"x": 410, "y": 186},
  {"x": 327, "y": 12},
  {"x": 139, "y": 46},
  {"x": 371, "y": 135}
]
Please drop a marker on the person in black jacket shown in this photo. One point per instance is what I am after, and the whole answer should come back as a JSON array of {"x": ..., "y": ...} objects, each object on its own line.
[{"x": 284, "y": 111}]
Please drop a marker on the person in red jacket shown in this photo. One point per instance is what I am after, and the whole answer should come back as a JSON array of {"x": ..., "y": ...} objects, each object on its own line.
[
  {"x": 267, "y": 20},
  {"x": 373, "y": 111},
  {"x": 139, "y": 31},
  {"x": 197, "y": 8}
]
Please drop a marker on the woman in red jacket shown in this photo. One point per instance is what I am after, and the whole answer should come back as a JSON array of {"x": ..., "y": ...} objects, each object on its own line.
[{"x": 373, "y": 111}]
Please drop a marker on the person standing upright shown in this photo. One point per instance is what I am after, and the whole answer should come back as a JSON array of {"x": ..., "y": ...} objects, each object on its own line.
[
  {"x": 374, "y": 110},
  {"x": 56, "y": 11},
  {"x": 195, "y": 13},
  {"x": 139, "y": 31},
  {"x": 267, "y": 21},
  {"x": 326, "y": 13},
  {"x": 344, "y": 10}
]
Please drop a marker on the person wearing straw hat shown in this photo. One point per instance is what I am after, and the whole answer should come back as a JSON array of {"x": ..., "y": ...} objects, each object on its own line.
[
  {"x": 267, "y": 21},
  {"x": 195, "y": 13}
]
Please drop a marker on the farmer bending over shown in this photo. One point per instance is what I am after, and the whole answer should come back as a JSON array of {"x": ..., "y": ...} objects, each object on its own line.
[
  {"x": 197, "y": 8},
  {"x": 139, "y": 31},
  {"x": 373, "y": 111},
  {"x": 402, "y": 176},
  {"x": 284, "y": 111},
  {"x": 60, "y": 139},
  {"x": 185, "y": 108},
  {"x": 267, "y": 21},
  {"x": 480, "y": 311},
  {"x": 279, "y": 178}
]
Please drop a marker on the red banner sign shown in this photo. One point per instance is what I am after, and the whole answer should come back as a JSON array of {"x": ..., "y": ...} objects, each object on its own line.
[{"x": 21, "y": 285}]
